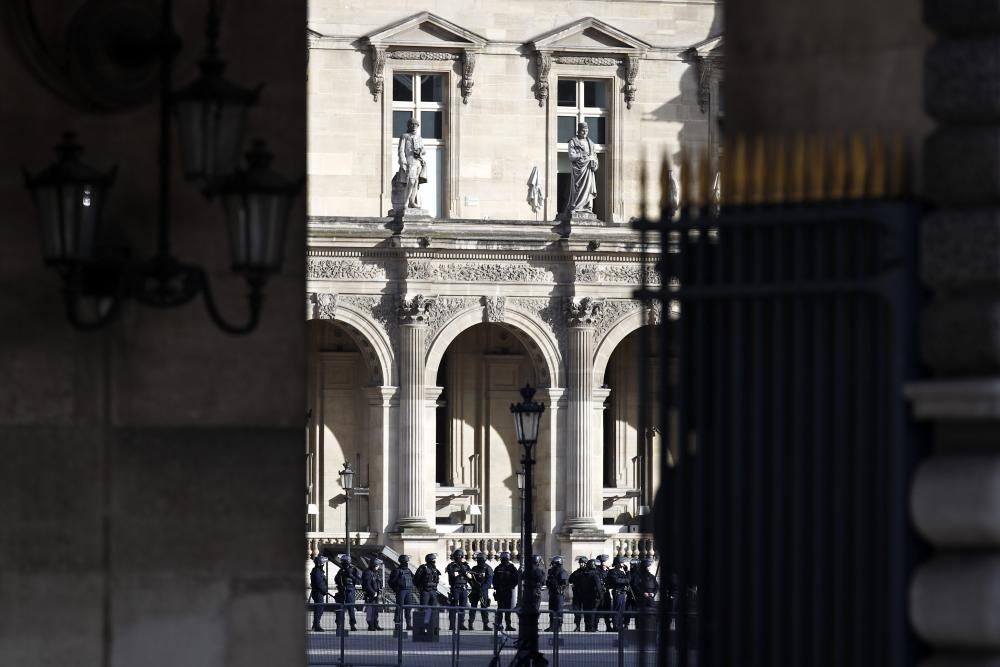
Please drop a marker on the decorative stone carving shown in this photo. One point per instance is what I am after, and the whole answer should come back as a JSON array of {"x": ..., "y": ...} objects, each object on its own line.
[
  {"x": 416, "y": 309},
  {"x": 445, "y": 309},
  {"x": 468, "y": 67},
  {"x": 382, "y": 310},
  {"x": 423, "y": 55},
  {"x": 543, "y": 64},
  {"x": 596, "y": 61},
  {"x": 378, "y": 71},
  {"x": 419, "y": 271},
  {"x": 587, "y": 273},
  {"x": 493, "y": 273},
  {"x": 322, "y": 268},
  {"x": 310, "y": 305},
  {"x": 582, "y": 312},
  {"x": 326, "y": 306},
  {"x": 548, "y": 311},
  {"x": 611, "y": 312},
  {"x": 494, "y": 308},
  {"x": 653, "y": 312},
  {"x": 631, "y": 74}
]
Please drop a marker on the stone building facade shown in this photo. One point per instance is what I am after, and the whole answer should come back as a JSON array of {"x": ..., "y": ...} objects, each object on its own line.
[{"x": 424, "y": 327}]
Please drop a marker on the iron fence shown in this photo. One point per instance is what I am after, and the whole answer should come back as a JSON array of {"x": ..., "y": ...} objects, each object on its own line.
[{"x": 431, "y": 642}]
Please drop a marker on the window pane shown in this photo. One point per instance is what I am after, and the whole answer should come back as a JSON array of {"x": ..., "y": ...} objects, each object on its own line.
[
  {"x": 399, "y": 120},
  {"x": 402, "y": 87},
  {"x": 567, "y": 128},
  {"x": 567, "y": 92},
  {"x": 431, "y": 88},
  {"x": 431, "y": 124},
  {"x": 595, "y": 94},
  {"x": 597, "y": 125}
]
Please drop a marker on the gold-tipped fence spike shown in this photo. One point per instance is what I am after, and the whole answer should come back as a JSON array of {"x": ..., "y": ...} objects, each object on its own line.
[
  {"x": 797, "y": 171},
  {"x": 878, "y": 171},
  {"x": 687, "y": 173},
  {"x": 739, "y": 172},
  {"x": 666, "y": 185},
  {"x": 857, "y": 175},
  {"x": 778, "y": 172},
  {"x": 837, "y": 189},
  {"x": 815, "y": 169},
  {"x": 758, "y": 171}
]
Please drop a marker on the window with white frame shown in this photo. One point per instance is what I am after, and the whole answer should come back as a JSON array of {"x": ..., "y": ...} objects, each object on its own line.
[
  {"x": 424, "y": 97},
  {"x": 583, "y": 101}
]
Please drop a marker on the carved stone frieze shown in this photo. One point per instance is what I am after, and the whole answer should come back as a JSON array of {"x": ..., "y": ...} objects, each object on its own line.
[
  {"x": 493, "y": 273},
  {"x": 327, "y": 268},
  {"x": 611, "y": 312},
  {"x": 625, "y": 274},
  {"x": 468, "y": 67},
  {"x": 415, "y": 309},
  {"x": 381, "y": 309},
  {"x": 631, "y": 74},
  {"x": 582, "y": 312},
  {"x": 543, "y": 65},
  {"x": 326, "y": 306},
  {"x": 444, "y": 310},
  {"x": 423, "y": 55},
  {"x": 494, "y": 308},
  {"x": 548, "y": 311},
  {"x": 595, "y": 61},
  {"x": 419, "y": 271},
  {"x": 587, "y": 272},
  {"x": 378, "y": 71}
]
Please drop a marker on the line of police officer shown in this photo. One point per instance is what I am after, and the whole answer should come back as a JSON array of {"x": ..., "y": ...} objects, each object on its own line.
[{"x": 595, "y": 588}]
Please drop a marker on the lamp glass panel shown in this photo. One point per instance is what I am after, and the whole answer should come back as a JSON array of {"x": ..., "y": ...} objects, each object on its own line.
[
  {"x": 211, "y": 137},
  {"x": 257, "y": 229},
  {"x": 47, "y": 201},
  {"x": 347, "y": 479},
  {"x": 88, "y": 212},
  {"x": 530, "y": 425}
]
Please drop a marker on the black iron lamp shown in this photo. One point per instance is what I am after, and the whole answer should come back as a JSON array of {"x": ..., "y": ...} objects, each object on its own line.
[
  {"x": 527, "y": 420},
  {"x": 211, "y": 114},
  {"x": 347, "y": 483}
]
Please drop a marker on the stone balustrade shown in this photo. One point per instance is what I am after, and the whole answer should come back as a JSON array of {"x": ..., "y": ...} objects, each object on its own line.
[
  {"x": 633, "y": 545},
  {"x": 317, "y": 540},
  {"x": 491, "y": 544}
]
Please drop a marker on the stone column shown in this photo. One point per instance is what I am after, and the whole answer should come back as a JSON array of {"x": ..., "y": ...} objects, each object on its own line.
[
  {"x": 411, "y": 516},
  {"x": 581, "y": 461},
  {"x": 956, "y": 493}
]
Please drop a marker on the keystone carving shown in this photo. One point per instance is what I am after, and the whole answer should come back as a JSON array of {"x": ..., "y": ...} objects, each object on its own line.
[
  {"x": 415, "y": 310},
  {"x": 582, "y": 312},
  {"x": 326, "y": 306},
  {"x": 494, "y": 308}
]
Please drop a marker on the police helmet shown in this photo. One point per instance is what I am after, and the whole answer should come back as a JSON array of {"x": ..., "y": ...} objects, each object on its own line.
[
  {"x": 457, "y": 555},
  {"x": 375, "y": 564},
  {"x": 616, "y": 561},
  {"x": 345, "y": 558},
  {"x": 591, "y": 564},
  {"x": 404, "y": 559},
  {"x": 480, "y": 556},
  {"x": 505, "y": 556},
  {"x": 582, "y": 560},
  {"x": 555, "y": 559},
  {"x": 320, "y": 560},
  {"x": 536, "y": 559},
  {"x": 430, "y": 558},
  {"x": 603, "y": 558}
]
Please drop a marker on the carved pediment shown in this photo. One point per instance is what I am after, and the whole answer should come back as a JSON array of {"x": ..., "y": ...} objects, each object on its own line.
[
  {"x": 424, "y": 36},
  {"x": 589, "y": 35},
  {"x": 588, "y": 41}
]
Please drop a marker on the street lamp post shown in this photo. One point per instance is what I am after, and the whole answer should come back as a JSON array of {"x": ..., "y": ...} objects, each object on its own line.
[
  {"x": 527, "y": 419},
  {"x": 347, "y": 482}
]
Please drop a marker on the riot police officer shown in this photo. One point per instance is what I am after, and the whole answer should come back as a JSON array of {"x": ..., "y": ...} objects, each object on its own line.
[
  {"x": 479, "y": 596},
  {"x": 318, "y": 589},
  {"x": 605, "y": 602},
  {"x": 401, "y": 583},
  {"x": 556, "y": 580},
  {"x": 617, "y": 584},
  {"x": 591, "y": 588},
  {"x": 347, "y": 580},
  {"x": 426, "y": 580},
  {"x": 459, "y": 576},
  {"x": 577, "y": 595},
  {"x": 371, "y": 586},
  {"x": 645, "y": 586},
  {"x": 534, "y": 579},
  {"x": 505, "y": 578}
]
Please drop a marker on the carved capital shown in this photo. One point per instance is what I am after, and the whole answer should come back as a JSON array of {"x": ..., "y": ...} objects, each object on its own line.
[
  {"x": 543, "y": 64},
  {"x": 631, "y": 74},
  {"x": 494, "y": 308},
  {"x": 378, "y": 71},
  {"x": 582, "y": 312},
  {"x": 468, "y": 67},
  {"x": 415, "y": 310}
]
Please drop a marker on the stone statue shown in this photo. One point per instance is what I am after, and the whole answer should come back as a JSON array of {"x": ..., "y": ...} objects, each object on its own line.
[
  {"x": 412, "y": 166},
  {"x": 583, "y": 186}
]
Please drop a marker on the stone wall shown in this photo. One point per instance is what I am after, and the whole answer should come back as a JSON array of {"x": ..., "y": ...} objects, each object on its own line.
[{"x": 151, "y": 487}]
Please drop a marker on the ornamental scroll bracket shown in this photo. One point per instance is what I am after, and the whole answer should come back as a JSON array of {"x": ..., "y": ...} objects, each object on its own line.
[
  {"x": 378, "y": 70},
  {"x": 469, "y": 57}
]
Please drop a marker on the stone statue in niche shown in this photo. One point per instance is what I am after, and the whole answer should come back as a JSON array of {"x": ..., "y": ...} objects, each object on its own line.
[
  {"x": 583, "y": 185},
  {"x": 412, "y": 167}
]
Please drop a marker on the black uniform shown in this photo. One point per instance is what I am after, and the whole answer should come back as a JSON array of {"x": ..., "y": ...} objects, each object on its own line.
[
  {"x": 590, "y": 586},
  {"x": 617, "y": 583},
  {"x": 534, "y": 579},
  {"x": 505, "y": 579},
  {"x": 371, "y": 584},
  {"x": 426, "y": 580},
  {"x": 605, "y": 602},
  {"x": 401, "y": 583},
  {"x": 574, "y": 579},
  {"x": 556, "y": 580},
  {"x": 644, "y": 587},
  {"x": 479, "y": 596},
  {"x": 459, "y": 575},
  {"x": 347, "y": 580},
  {"x": 318, "y": 589}
]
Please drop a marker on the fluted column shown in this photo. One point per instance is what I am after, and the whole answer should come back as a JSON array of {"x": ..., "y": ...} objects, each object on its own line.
[
  {"x": 413, "y": 314},
  {"x": 581, "y": 490}
]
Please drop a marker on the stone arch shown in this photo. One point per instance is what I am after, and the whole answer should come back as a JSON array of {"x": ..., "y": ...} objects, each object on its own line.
[
  {"x": 618, "y": 332},
  {"x": 372, "y": 340},
  {"x": 539, "y": 342}
]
